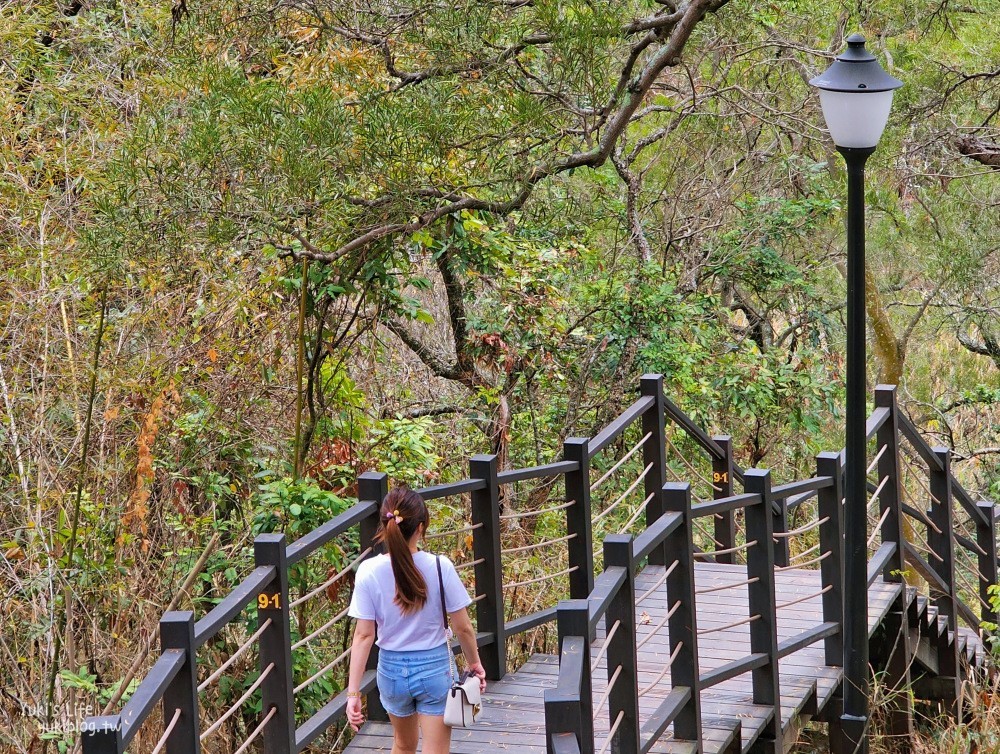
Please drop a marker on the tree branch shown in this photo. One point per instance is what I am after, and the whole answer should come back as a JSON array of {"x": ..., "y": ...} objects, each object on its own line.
[
  {"x": 666, "y": 56},
  {"x": 432, "y": 361}
]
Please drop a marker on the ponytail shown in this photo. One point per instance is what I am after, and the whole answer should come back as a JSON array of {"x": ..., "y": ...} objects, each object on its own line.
[{"x": 403, "y": 511}]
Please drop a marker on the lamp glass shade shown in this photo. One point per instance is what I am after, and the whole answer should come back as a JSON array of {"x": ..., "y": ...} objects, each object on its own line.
[{"x": 856, "y": 119}]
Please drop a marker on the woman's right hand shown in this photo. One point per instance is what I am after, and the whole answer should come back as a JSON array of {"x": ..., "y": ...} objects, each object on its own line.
[
  {"x": 477, "y": 669},
  {"x": 354, "y": 714}
]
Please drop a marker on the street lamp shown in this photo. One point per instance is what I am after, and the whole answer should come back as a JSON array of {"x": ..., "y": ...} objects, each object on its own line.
[{"x": 856, "y": 94}]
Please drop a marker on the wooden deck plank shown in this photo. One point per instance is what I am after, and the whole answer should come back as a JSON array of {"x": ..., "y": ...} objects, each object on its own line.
[{"x": 513, "y": 717}]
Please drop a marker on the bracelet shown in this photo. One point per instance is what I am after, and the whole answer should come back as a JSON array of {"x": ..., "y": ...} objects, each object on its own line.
[{"x": 353, "y": 694}]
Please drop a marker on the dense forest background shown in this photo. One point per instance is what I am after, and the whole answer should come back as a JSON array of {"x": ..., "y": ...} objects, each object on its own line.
[{"x": 253, "y": 249}]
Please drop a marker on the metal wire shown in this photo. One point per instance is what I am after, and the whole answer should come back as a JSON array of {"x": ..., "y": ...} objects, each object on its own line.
[
  {"x": 820, "y": 593},
  {"x": 607, "y": 691},
  {"x": 677, "y": 477},
  {"x": 914, "y": 471},
  {"x": 875, "y": 460},
  {"x": 969, "y": 588},
  {"x": 538, "y": 545},
  {"x": 321, "y": 629},
  {"x": 166, "y": 732},
  {"x": 813, "y": 561},
  {"x": 804, "y": 552},
  {"x": 697, "y": 525},
  {"x": 635, "y": 514},
  {"x": 878, "y": 525},
  {"x": 542, "y": 578},
  {"x": 802, "y": 529},
  {"x": 454, "y": 532},
  {"x": 690, "y": 465},
  {"x": 925, "y": 519},
  {"x": 713, "y": 630},
  {"x": 623, "y": 459},
  {"x": 924, "y": 548},
  {"x": 754, "y": 580},
  {"x": 659, "y": 625},
  {"x": 972, "y": 538},
  {"x": 340, "y": 658},
  {"x": 256, "y": 731},
  {"x": 611, "y": 733},
  {"x": 624, "y": 495},
  {"x": 728, "y": 550},
  {"x": 470, "y": 564},
  {"x": 229, "y": 712},
  {"x": 663, "y": 672},
  {"x": 235, "y": 656},
  {"x": 659, "y": 582},
  {"x": 477, "y": 598},
  {"x": 877, "y": 492},
  {"x": 330, "y": 581},
  {"x": 526, "y": 514},
  {"x": 604, "y": 646}
]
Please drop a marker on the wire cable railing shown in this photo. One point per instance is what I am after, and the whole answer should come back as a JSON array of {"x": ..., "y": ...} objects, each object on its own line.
[{"x": 220, "y": 721}]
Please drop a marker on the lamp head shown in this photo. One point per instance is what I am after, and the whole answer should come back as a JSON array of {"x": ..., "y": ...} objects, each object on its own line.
[{"x": 856, "y": 94}]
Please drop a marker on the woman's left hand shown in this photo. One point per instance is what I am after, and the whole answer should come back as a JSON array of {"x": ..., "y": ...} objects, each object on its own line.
[
  {"x": 477, "y": 669},
  {"x": 354, "y": 714}
]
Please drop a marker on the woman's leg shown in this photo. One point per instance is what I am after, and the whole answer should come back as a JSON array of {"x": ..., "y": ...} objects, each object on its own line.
[
  {"x": 405, "y": 734},
  {"x": 437, "y": 735}
]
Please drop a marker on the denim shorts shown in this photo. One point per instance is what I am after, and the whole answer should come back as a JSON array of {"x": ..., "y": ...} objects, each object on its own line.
[{"x": 410, "y": 682}]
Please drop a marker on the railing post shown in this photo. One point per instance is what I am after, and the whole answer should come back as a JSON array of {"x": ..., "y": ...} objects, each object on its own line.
[
  {"x": 764, "y": 629},
  {"x": 830, "y": 509},
  {"x": 177, "y": 632},
  {"x": 890, "y": 499},
  {"x": 654, "y": 452},
  {"x": 102, "y": 735},
  {"x": 573, "y": 619},
  {"x": 683, "y": 624},
  {"x": 275, "y": 646},
  {"x": 489, "y": 573},
  {"x": 372, "y": 486},
  {"x": 779, "y": 511},
  {"x": 897, "y": 641},
  {"x": 722, "y": 486},
  {"x": 943, "y": 545},
  {"x": 579, "y": 518},
  {"x": 621, "y": 649},
  {"x": 831, "y": 540},
  {"x": 986, "y": 539}
]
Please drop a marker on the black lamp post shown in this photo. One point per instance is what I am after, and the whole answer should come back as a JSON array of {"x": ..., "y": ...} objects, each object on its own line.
[{"x": 856, "y": 94}]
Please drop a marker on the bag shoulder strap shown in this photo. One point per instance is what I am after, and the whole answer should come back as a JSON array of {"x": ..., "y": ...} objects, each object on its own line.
[
  {"x": 444, "y": 611},
  {"x": 452, "y": 669}
]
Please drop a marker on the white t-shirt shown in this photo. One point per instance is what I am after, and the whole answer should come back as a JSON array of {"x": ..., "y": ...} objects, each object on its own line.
[{"x": 375, "y": 590}]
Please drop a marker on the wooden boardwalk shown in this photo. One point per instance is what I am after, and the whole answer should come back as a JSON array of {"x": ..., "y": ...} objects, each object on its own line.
[{"x": 513, "y": 718}]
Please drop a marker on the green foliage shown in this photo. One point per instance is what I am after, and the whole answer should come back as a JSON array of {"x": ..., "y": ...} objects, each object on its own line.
[{"x": 293, "y": 506}]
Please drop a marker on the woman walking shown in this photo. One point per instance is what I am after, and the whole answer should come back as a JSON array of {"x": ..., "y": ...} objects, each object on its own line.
[{"x": 399, "y": 593}]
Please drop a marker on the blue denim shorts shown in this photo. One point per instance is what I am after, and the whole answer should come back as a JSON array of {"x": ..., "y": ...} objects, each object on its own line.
[{"x": 410, "y": 682}]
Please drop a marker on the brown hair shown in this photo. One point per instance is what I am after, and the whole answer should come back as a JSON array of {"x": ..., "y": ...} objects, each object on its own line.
[{"x": 403, "y": 510}]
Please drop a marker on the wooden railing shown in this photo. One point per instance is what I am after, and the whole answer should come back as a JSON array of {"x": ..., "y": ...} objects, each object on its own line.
[
  {"x": 173, "y": 683},
  {"x": 666, "y": 540}
]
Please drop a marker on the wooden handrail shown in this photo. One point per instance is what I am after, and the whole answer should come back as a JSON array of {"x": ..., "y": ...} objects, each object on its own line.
[
  {"x": 149, "y": 692},
  {"x": 725, "y": 504},
  {"x": 460, "y": 487},
  {"x": 308, "y": 544},
  {"x": 536, "y": 472},
  {"x": 607, "y": 435},
  {"x": 232, "y": 604}
]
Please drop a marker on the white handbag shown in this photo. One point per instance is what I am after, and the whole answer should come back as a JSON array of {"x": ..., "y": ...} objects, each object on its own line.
[{"x": 463, "y": 703}]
